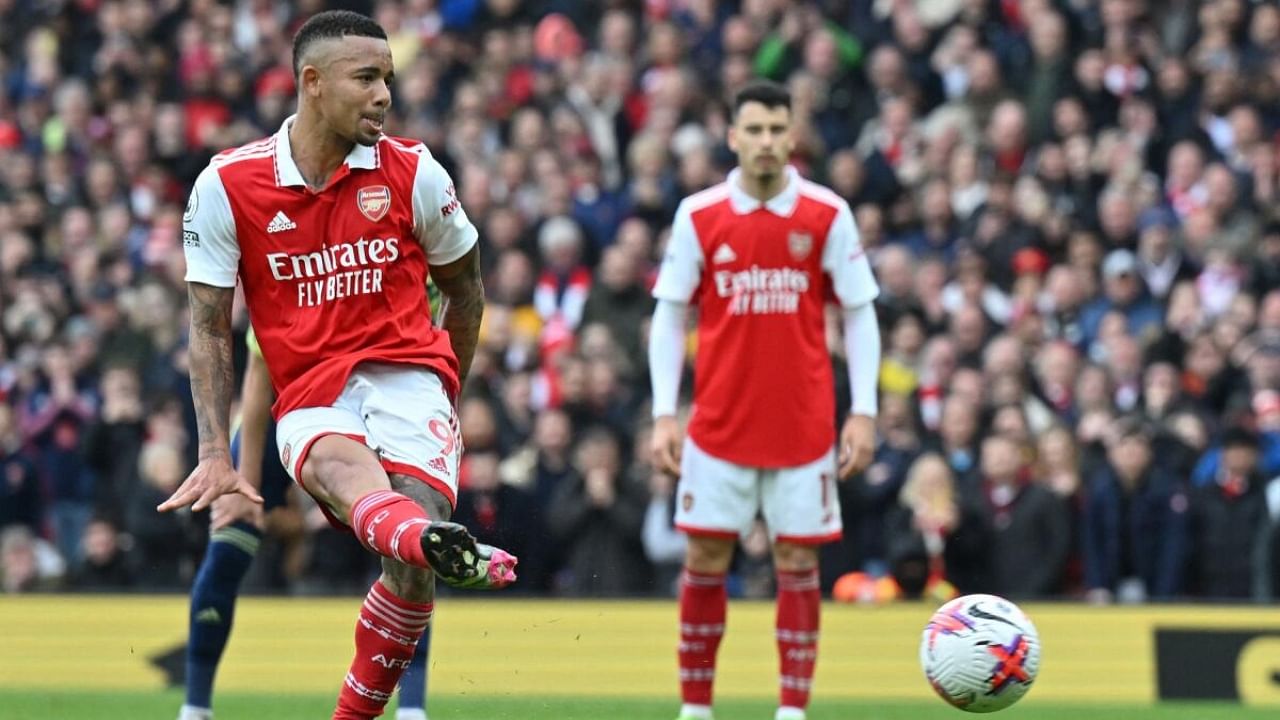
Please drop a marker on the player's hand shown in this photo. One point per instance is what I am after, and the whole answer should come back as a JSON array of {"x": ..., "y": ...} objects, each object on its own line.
[
  {"x": 235, "y": 507},
  {"x": 666, "y": 445},
  {"x": 857, "y": 445},
  {"x": 212, "y": 478}
]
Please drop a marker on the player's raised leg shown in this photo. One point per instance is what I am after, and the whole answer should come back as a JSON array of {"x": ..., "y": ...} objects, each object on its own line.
[{"x": 348, "y": 479}]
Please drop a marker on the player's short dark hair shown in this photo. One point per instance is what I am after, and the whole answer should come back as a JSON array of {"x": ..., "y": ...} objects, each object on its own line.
[
  {"x": 332, "y": 24},
  {"x": 766, "y": 92}
]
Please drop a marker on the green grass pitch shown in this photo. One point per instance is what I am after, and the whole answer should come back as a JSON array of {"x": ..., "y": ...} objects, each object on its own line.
[{"x": 44, "y": 705}]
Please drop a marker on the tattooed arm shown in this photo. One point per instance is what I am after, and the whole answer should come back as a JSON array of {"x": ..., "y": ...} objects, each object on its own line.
[
  {"x": 212, "y": 387},
  {"x": 212, "y": 374},
  {"x": 463, "y": 292}
]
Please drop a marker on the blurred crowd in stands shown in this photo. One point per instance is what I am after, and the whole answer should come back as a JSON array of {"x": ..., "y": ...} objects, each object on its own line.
[{"x": 1072, "y": 206}]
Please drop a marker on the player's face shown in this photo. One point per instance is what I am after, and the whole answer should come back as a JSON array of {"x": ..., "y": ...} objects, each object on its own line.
[
  {"x": 354, "y": 88},
  {"x": 761, "y": 137}
]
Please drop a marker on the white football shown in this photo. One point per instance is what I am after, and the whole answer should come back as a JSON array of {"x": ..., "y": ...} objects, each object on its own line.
[{"x": 980, "y": 653}]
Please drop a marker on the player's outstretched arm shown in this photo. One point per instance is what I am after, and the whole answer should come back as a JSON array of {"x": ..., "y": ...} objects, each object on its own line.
[
  {"x": 212, "y": 385},
  {"x": 463, "y": 291}
]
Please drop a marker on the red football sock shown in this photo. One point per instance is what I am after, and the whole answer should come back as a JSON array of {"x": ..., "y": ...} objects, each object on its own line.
[
  {"x": 703, "y": 606},
  {"x": 797, "y": 628},
  {"x": 386, "y": 635},
  {"x": 391, "y": 524}
]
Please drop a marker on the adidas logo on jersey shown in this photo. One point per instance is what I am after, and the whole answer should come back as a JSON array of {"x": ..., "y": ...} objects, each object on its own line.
[
  {"x": 724, "y": 254},
  {"x": 439, "y": 465},
  {"x": 280, "y": 223}
]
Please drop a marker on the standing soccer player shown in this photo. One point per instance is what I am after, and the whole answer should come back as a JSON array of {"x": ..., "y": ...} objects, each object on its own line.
[
  {"x": 332, "y": 228},
  {"x": 760, "y": 254},
  {"x": 234, "y": 534}
]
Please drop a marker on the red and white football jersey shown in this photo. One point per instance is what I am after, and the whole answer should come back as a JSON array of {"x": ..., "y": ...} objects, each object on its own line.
[
  {"x": 331, "y": 278},
  {"x": 761, "y": 274}
]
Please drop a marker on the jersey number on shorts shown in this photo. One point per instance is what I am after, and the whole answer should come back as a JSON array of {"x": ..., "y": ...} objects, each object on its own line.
[{"x": 445, "y": 435}]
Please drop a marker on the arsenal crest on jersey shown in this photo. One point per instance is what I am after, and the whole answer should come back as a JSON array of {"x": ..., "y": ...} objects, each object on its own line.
[
  {"x": 800, "y": 244},
  {"x": 374, "y": 201}
]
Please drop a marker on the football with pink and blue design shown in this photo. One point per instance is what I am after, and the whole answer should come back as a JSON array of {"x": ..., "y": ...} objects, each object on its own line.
[{"x": 980, "y": 653}]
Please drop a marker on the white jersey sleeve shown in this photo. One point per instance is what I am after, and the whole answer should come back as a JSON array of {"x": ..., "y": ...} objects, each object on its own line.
[
  {"x": 209, "y": 233},
  {"x": 682, "y": 264},
  {"x": 439, "y": 222},
  {"x": 845, "y": 261}
]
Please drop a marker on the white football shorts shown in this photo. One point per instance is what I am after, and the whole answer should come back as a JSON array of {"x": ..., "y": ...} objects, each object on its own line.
[
  {"x": 716, "y": 498},
  {"x": 400, "y": 411}
]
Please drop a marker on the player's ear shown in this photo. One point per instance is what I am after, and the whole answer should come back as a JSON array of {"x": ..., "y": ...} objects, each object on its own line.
[
  {"x": 732, "y": 139},
  {"x": 309, "y": 81}
]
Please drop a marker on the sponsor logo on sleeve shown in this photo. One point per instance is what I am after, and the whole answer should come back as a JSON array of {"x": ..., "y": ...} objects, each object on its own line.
[
  {"x": 452, "y": 205},
  {"x": 193, "y": 204},
  {"x": 190, "y": 239}
]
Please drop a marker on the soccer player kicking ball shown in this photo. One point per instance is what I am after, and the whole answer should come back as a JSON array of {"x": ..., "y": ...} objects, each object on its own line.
[
  {"x": 332, "y": 228},
  {"x": 760, "y": 254},
  {"x": 235, "y": 531}
]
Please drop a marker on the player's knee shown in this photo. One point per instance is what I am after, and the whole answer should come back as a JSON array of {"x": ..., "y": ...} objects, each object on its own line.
[
  {"x": 408, "y": 582},
  {"x": 709, "y": 555},
  {"x": 428, "y": 498},
  {"x": 794, "y": 558}
]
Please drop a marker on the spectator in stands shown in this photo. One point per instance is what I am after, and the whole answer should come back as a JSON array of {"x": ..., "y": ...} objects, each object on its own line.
[
  {"x": 1029, "y": 525},
  {"x": 619, "y": 299},
  {"x": 1161, "y": 263},
  {"x": 21, "y": 501},
  {"x": 561, "y": 292},
  {"x": 598, "y": 513},
  {"x": 1059, "y": 465},
  {"x": 103, "y": 566},
  {"x": 53, "y": 421},
  {"x": 113, "y": 441},
  {"x": 959, "y": 440},
  {"x": 936, "y": 532},
  {"x": 1123, "y": 293},
  {"x": 1135, "y": 529},
  {"x": 28, "y": 563},
  {"x": 866, "y": 498},
  {"x": 1228, "y": 516}
]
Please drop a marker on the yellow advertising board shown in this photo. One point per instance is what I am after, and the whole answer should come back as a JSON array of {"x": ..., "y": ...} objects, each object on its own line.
[{"x": 560, "y": 647}]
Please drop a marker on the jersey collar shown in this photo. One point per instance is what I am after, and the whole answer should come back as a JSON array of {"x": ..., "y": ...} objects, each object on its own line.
[
  {"x": 361, "y": 157},
  {"x": 782, "y": 204}
]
